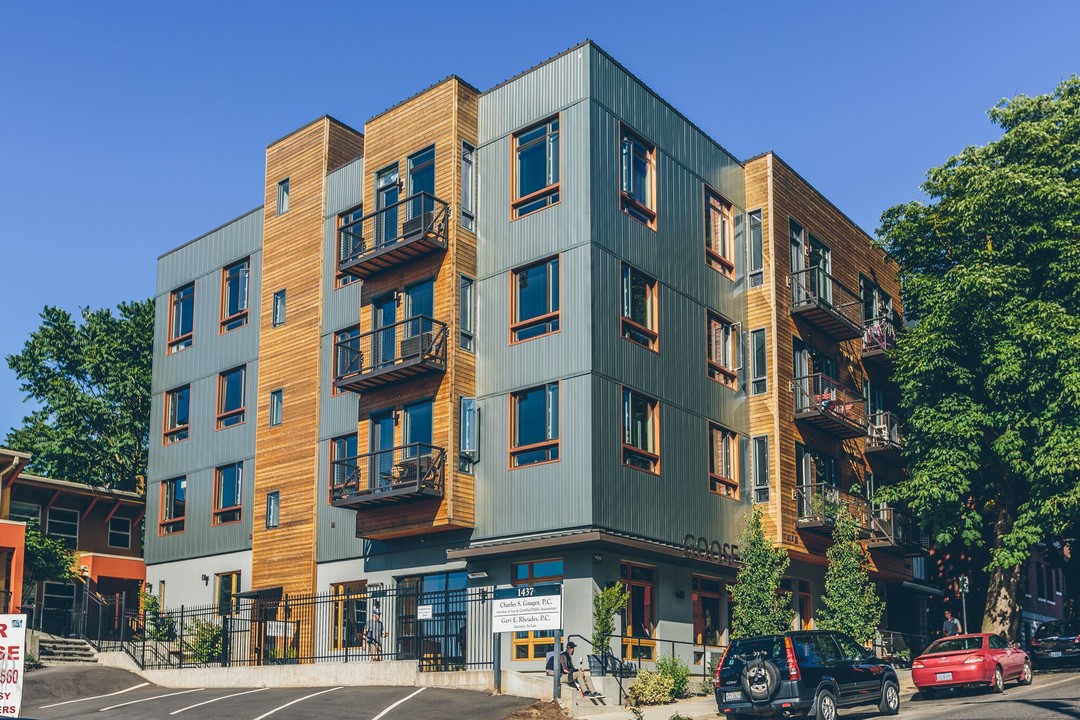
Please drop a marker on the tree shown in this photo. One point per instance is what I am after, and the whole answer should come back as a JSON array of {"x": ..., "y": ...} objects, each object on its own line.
[
  {"x": 91, "y": 381},
  {"x": 606, "y": 603},
  {"x": 47, "y": 558},
  {"x": 760, "y": 607},
  {"x": 990, "y": 373},
  {"x": 850, "y": 604}
]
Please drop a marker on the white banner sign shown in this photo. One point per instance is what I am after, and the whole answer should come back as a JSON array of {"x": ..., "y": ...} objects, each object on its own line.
[
  {"x": 527, "y": 608},
  {"x": 423, "y": 612},
  {"x": 12, "y": 653}
]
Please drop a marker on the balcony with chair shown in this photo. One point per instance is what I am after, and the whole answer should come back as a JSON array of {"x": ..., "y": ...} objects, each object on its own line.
[
  {"x": 408, "y": 472},
  {"x": 878, "y": 338},
  {"x": 896, "y": 530},
  {"x": 825, "y": 404},
  {"x": 401, "y": 351},
  {"x": 399, "y": 233},
  {"x": 885, "y": 436},
  {"x": 819, "y": 504},
  {"x": 819, "y": 299}
]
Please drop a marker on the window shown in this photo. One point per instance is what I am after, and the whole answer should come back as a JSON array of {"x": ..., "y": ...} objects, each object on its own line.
[
  {"x": 719, "y": 235},
  {"x": 63, "y": 524},
  {"x": 638, "y": 197},
  {"x": 350, "y": 241},
  {"x": 536, "y": 168},
  {"x": 535, "y": 422},
  {"x": 234, "y": 295},
  {"x": 273, "y": 509},
  {"x": 756, "y": 251},
  {"x": 535, "y": 306},
  {"x": 25, "y": 512},
  {"x": 283, "y": 196},
  {"x": 278, "y": 318},
  {"x": 467, "y": 323},
  {"x": 468, "y": 186},
  {"x": 343, "y": 461},
  {"x": 347, "y": 355},
  {"x": 231, "y": 397},
  {"x": 759, "y": 382},
  {"x": 760, "y": 446},
  {"x": 468, "y": 436},
  {"x": 705, "y": 597},
  {"x": 58, "y": 595},
  {"x": 120, "y": 532},
  {"x": 535, "y": 644},
  {"x": 349, "y": 614},
  {"x": 173, "y": 506},
  {"x": 181, "y": 318},
  {"x": 639, "y": 615},
  {"x": 275, "y": 407},
  {"x": 639, "y": 308},
  {"x": 723, "y": 351},
  {"x": 225, "y": 586},
  {"x": 723, "y": 462},
  {"x": 641, "y": 441},
  {"x": 228, "y": 480},
  {"x": 177, "y": 415},
  {"x": 421, "y": 167}
]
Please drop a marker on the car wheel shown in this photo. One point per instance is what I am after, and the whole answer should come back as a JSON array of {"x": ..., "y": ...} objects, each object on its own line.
[
  {"x": 890, "y": 698},
  {"x": 998, "y": 685},
  {"x": 825, "y": 706},
  {"x": 1025, "y": 676}
]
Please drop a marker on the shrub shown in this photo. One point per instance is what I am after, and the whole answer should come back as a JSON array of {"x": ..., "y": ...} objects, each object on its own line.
[
  {"x": 650, "y": 688},
  {"x": 679, "y": 672},
  {"x": 206, "y": 642}
]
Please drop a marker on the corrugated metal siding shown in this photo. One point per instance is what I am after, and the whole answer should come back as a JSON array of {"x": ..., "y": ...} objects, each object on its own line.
[
  {"x": 211, "y": 252},
  {"x": 341, "y": 306},
  {"x": 344, "y": 187}
]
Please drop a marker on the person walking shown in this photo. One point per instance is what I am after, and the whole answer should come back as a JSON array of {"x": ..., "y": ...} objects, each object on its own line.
[
  {"x": 951, "y": 626},
  {"x": 577, "y": 676},
  {"x": 375, "y": 635}
]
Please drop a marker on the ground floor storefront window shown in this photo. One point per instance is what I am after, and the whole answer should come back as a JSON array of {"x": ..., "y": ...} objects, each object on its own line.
[
  {"x": 431, "y": 619},
  {"x": 639, "y": 616}
]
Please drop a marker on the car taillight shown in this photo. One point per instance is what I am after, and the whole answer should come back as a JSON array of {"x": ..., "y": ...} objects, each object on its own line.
[
  {"x": 719, "y": 665},
  {"x": 917, "y": 665},
  {"x": 972, "y": 659},
  {"x": 1034, "y": 642},
  {"x": 792, "y": 664},
  {"x": 1076, "y": 640}
]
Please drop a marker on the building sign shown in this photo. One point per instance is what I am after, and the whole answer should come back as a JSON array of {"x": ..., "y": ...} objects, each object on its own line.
[
  {"x": 520, "y": 609},
  {"x": 423, "y": 612},
  {"x": 700, "y": 548},
  {"x": 279, "y": 629},
  {"x": 12, "y": 652}
]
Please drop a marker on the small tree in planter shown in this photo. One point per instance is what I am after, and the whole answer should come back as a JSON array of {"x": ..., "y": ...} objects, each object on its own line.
[
  {"x": 850, "y": 604},
  {"x": 606, "y": 603},
  {"x": 760, "y": 609}
]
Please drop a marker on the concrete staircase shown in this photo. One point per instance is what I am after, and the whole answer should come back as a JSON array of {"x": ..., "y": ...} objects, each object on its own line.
[{"x": 62, "y": 651}]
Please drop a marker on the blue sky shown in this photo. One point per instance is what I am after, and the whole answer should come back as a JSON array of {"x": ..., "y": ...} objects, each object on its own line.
[{"x": 128, "y": 128}]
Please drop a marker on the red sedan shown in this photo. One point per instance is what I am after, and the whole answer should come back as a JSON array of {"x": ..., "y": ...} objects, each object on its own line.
[{"x": 980, "y": 660}]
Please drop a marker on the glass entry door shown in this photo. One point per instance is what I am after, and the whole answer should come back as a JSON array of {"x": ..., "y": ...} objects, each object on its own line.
[
  {"x": 384, "y": 342},
  {"x": 387, "y": 194},
  {"x": 419, "y": 302},
  {"x": 382, "y": 445}
]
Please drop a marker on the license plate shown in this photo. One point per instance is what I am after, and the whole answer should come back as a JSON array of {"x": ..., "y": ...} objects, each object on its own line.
[
  {"x": 944, "y": 676},
  {"x": 733, "y": 696},
  {"x": 1055, "y": 653}
]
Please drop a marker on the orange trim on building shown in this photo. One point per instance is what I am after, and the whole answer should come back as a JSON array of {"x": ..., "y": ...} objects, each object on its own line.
[
  {"x": 113, "y": 566},
  {"x": 13, "y": 540}
]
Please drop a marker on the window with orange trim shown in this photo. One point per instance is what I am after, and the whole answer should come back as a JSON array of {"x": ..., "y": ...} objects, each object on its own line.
[
  {"x": 350, "y": 234},
  {"x": 228, "y": 485},
  {"x": 723, "y": 350},
  {"x": 173, "y": 506},
  {"x": 177, "y": 415},
  {"x": 639, "y": 308},
  {"x": 638, "y": 186},
  {"x": 234, "y": 295},
  {"x": 723, "y": 462},
  {"x": 639, "y": 614},
  {"x": 536, "y": 168},
  {"x": 535, "y": 301},
  {"x": 641, "y": 432},
  {"x": 719, "y": 235},
  {"x": 232, "y": 394},
  {"x": 181, "y": 318},
  {"x": 535, "y": 425}
]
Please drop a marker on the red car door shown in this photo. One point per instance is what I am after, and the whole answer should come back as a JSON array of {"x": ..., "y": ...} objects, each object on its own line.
[{"x": 1000, "y": 652}]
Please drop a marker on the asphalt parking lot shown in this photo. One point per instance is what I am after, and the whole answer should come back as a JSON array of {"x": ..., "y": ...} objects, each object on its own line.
[{"x": 56, "y": 693}]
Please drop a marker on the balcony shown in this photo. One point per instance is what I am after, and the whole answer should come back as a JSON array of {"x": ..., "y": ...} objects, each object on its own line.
[
  {"x": 819, "y": 504},
  {"x": 823, "y": 403},
  {"x": 403, "y": 473},
  {"x": 878, "y": 338},
  {"x": 818, "y": 298},
  {"x": 397, "y": 234},
  {"x": 404, "y": 350},
  {"x": 896, "y": 530},
  {"x": 885, "y": 436}
]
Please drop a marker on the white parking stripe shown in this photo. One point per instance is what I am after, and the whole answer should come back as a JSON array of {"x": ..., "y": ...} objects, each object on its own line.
[
  {"x": 306, "y": 697},
  {"x": 156, "y": 697},
  {"x": 223, "y": 697},
  {"x": 96, "y": 697},
  {"x": 379, "y": 716}
]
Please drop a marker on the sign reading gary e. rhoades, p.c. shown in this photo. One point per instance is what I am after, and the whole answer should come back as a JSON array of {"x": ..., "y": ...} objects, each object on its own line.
[
  {"x": 12, "y": 651},
  {"x": 519, "y": 609}
]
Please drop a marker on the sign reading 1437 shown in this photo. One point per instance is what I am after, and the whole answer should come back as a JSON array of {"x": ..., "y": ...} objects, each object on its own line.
[{"x": 519, "y": 609}]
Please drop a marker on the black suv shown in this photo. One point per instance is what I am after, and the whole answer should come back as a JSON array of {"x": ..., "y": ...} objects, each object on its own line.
[
  {"x": 800, "y": 673},
  {"x": 1056, "y": 642}
]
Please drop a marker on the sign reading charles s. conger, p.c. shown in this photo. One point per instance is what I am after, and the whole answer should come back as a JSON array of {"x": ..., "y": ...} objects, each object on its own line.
[
  {"x": 12, "y": 652},
  {"x": 519, "y": 609}
]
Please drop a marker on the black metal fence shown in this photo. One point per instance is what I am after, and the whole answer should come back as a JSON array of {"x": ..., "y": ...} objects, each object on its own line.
[{"x": 440, "y": 631}]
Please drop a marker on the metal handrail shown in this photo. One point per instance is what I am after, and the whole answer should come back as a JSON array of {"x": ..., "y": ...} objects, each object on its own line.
[
  {"x": 884, "y": 429},
  {"x": 879, "y": 335},
  {"x": 898, "y": 526},
  {"x": 418, "y": 465},
  {"x": 821, "y": 393},
  {"x": 822, "y": 502},
  {"x": 814, "y": 286},
  {"x": 420, "y": 338},
  {"x": 419, "y": 214}
]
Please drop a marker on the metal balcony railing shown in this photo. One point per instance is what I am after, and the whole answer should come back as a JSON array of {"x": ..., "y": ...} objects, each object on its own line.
[
  {"x": 391, "y": 353},
  {"x": 820, "y": 503},
  {"x": 879, "y": 337},
  {"x": 413, "y": 470},
  {"x": 828, "y": 405},
  {"x": 417, "y": 225},
  {"x": 822, "y": 300},
  {"x": 896, "y": 529},
  {"x": 885, "y": 434}
]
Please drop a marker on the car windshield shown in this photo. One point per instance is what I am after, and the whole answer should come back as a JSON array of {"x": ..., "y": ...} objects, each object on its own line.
[
  {"x": 1062, "y": 628},
  {"x": 769, "y": 648},
  {"x": 959, "y": 644}
]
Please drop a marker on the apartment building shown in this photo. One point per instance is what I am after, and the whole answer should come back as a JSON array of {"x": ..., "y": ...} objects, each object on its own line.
[{"x": 527, "y": 335}]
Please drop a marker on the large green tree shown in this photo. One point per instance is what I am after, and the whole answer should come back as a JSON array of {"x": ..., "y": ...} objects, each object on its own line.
[
  {"x": 90, "y": 381},
  {"x": 990, "y": 373},
  {"x": 850, "y": 604},
  {"x": 760, "y": 607}
]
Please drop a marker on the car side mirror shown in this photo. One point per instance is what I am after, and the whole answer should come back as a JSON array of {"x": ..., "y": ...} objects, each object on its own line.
[{"x": 1016, "y": 646}]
